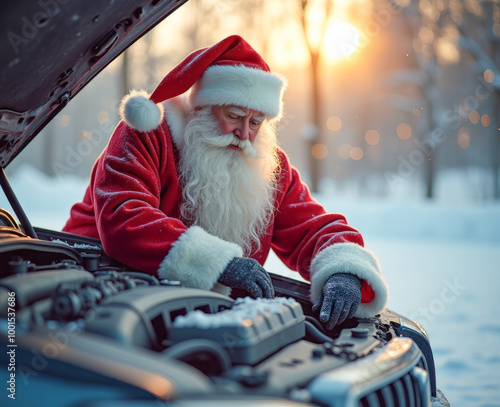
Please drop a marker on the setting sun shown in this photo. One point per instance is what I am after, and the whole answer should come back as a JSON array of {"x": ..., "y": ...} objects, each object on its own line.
[{"x": 341, "y": 39}]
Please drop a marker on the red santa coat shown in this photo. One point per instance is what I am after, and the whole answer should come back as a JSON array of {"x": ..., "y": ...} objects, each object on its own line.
[{"x": 133, "y": 206}]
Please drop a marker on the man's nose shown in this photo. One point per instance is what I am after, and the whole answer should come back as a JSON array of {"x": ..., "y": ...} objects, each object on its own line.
[{"x": 242, "y": 131}]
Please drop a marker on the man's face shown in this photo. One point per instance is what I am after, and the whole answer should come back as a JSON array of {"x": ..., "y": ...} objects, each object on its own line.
[
  {"x": 229, "y": 193},
  {"x": 244, "y": 123}
]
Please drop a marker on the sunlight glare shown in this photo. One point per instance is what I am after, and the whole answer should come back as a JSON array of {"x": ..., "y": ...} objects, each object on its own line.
[{"x": 341, "y": 39}]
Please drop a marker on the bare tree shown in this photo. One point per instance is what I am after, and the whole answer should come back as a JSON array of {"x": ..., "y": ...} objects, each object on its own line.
[
  {"x": 316, "y": 105},
  {"x": 473, "y": 24},
  {"x": 480, "y": 37},
  {"x": 424, "y": 76}
]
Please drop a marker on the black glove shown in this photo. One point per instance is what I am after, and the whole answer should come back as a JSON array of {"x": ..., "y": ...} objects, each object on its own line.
[
  {"x": 339, "y": 299},
  {"x": 249, "y": 275}
]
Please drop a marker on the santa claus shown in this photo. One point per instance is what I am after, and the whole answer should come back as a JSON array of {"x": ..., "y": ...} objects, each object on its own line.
[{"x": 194, "y": 187}]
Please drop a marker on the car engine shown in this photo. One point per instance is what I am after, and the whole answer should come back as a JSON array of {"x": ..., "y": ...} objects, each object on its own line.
[{"x": 96, "y": 333}]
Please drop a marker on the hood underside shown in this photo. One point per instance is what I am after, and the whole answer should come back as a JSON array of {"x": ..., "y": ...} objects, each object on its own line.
[{"x": 52, "y": 48}]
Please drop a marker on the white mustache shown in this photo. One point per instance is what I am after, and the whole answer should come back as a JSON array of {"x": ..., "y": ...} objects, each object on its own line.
[{"x": 226, "y": 140}]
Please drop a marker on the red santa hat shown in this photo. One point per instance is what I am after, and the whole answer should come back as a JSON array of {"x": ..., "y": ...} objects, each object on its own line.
[{"x": 230, "y": 72}]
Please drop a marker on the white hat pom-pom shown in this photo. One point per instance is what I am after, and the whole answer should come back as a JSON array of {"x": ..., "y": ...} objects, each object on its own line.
[{"x": 139, "y": 112}]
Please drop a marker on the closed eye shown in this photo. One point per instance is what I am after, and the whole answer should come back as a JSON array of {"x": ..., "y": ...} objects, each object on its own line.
[{"x": 256, "y": 121}]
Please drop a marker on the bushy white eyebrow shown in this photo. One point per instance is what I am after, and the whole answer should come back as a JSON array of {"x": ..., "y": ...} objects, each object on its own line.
[
  {"x": 237, "y": 111},
  {"x": 240, "y": 112}
]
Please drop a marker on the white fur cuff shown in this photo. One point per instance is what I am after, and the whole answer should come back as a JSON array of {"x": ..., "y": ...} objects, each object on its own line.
[
  {"x": 197, "y": 259},
  {"x": 354, "y": 259}
]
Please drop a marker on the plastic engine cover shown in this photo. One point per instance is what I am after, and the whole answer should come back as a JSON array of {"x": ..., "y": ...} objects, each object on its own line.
[{"x": 251, "y": 330}]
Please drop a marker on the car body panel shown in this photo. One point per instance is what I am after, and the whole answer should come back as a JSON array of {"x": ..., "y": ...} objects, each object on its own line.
[{"x": 52, "y": 48}]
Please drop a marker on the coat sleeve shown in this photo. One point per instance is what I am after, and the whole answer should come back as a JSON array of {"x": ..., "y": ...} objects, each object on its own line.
[
  {"x": 136, "y": 196},
  {"x": 318, "y": 244}
]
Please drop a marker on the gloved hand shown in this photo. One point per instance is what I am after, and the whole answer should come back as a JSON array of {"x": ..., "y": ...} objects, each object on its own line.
[
  {"x": 249, "y": 275},
  {"x": 339, "y": 299}
]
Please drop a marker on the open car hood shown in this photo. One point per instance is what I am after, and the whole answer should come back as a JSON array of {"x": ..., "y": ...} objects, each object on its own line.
[{"x": 52, "y": 48}]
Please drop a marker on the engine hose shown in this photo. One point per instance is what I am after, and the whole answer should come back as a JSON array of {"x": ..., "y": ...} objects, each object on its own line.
[
  {"x": 315, "y": 335},
  {"x": 315, "y": 322},
  {"x": 151, "y": 280},
  {"x": 183, "y": 350}
]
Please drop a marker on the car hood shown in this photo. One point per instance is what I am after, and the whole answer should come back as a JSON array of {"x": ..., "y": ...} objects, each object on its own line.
[{"x": 52, "y": 48}]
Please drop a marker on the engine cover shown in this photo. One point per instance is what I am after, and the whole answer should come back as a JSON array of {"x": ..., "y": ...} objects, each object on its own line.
[{"x": 251, "y": 330}]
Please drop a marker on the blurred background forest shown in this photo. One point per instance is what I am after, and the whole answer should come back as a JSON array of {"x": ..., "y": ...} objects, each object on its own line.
[{"x": 385, "y": 98}]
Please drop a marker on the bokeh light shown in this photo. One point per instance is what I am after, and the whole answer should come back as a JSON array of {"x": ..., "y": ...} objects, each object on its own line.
[
  {"x": 334, "y": 123},
  {"x": 64, "y": 120},
  {"x": 103, "y": 117},
  {"x": 463, "y": 138},
  {"x": 474, "y": 117},
  {"x": 356, "y": 153},
  {"x": 404, "y": 131},
  {"x": 319, "y": 151},
  {"x": 86, "y": 135},
  {"x": 372, "y": 137},
  {"x": 489, "y": 76}
]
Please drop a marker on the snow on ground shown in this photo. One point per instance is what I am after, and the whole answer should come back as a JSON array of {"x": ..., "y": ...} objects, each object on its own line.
[{"x": 442, "y": 263}]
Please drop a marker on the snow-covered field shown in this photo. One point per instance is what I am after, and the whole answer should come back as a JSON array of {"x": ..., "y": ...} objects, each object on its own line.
[{"x": 442, "y": 263}]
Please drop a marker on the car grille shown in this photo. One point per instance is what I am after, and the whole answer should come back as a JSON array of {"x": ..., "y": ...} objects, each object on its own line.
[
  {"x": 406, "y": 391},
  {"x": 396, "y": 376}
]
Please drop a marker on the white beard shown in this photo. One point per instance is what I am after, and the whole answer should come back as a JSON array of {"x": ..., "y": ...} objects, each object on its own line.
[{"x": 227, "y": 192}]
